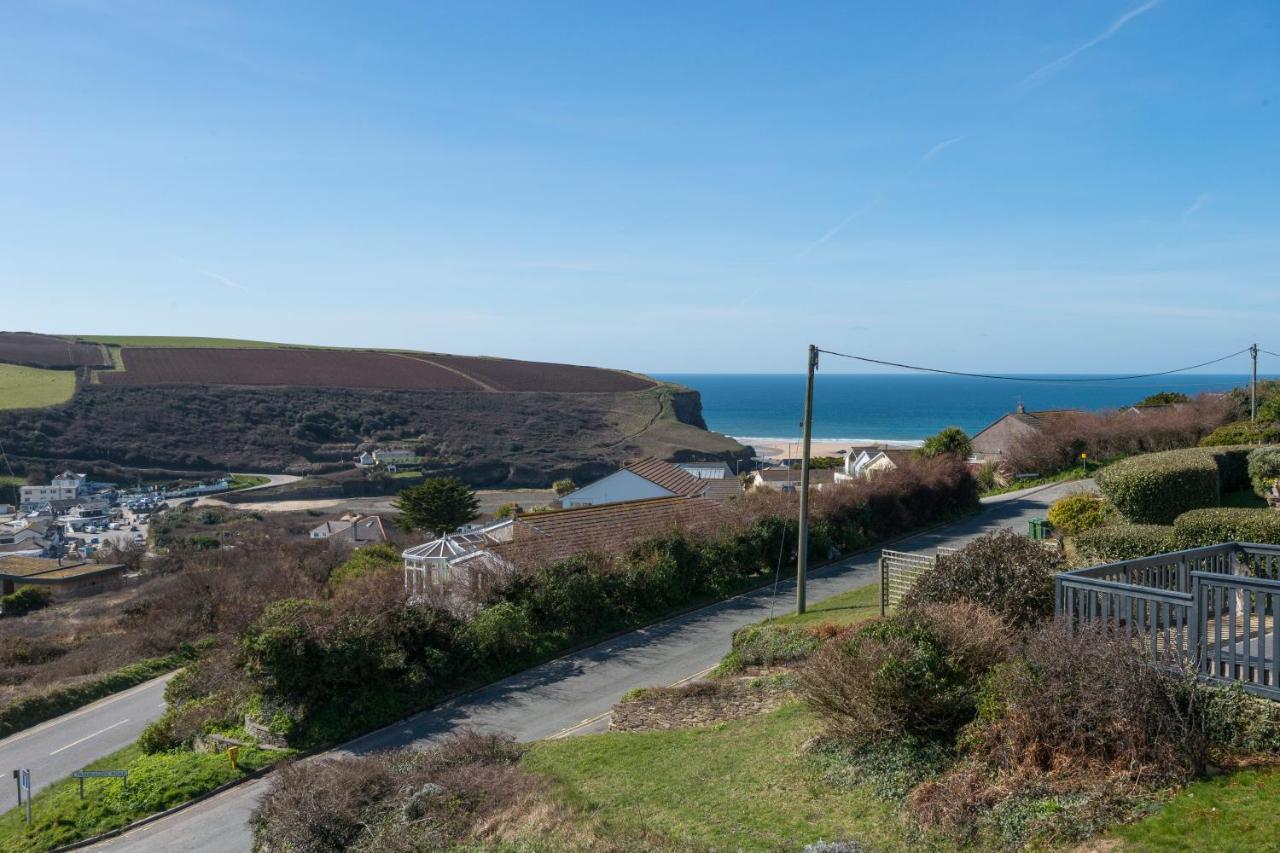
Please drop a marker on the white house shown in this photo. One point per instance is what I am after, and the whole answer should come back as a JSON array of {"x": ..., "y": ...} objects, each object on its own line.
[
  {"x": 640, "y": 480},
  {"x": 66, "y": 487},
  {"x": 365, "y": 460},
  {"x": 788, "y": 479},
  {"x": 869, "y": 461}
]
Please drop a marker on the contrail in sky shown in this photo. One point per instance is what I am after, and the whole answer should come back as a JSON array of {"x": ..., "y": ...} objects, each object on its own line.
[
  {"x": 221, "y": 279},
  {"x": 1067, "y": 58}
]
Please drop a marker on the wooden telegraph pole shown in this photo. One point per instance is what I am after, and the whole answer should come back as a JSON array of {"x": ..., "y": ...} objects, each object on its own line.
[
  {"x": 1253, "y": 384},
  {"x": 802, "y": 547}
]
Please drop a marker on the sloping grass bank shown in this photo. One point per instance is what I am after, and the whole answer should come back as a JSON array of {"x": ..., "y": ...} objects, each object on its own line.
[{"x": 156, "y": 782}]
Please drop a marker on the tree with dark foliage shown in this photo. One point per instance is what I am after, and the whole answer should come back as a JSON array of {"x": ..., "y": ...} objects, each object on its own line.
[{"x": 437, "y": 505}]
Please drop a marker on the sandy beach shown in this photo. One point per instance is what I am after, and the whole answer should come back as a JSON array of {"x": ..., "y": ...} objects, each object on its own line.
[{"x": 784, "y": 448}]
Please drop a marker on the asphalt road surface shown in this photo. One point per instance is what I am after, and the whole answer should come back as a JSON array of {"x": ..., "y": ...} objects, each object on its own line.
[
  {"x": 53, "y": 749},
  {"x": 573, "y": 695}
]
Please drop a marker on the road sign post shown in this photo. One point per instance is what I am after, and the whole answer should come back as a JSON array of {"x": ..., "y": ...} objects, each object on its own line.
[
  {"x": 24, "y": 784},
  {"x": 81, "y": 775},
  {"x": 18, "y": 784}
]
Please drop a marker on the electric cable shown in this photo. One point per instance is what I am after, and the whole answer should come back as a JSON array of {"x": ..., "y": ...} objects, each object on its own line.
[{"x": 946, "y": 372}]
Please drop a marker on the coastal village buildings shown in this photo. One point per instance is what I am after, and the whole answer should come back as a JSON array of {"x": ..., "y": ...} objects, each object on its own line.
[{"x": 66, "y": 489}]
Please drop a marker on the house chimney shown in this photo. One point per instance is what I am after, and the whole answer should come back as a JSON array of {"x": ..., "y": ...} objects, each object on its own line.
[{"x": 1021, "y": 409}]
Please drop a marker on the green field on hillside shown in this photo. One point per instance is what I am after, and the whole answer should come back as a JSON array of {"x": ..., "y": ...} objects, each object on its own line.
[
  {"x": 167, "y": 341},
  {"x": 33, "y": 388}
]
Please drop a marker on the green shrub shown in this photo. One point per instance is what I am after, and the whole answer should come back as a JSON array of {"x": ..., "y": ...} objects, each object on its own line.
[
  {"x": 1240, "y": 723},
  {"x": 1006, "y": 573},
  {"x": 767, "y": 645},
  {"x": 380, "y": 556},
  {"x": 1078, "y": 512},
  {"x": 1243, "y": 432},
  {"x": 24, "y": 601},
  {"x": 1217, "y": 525},
  {"x": 498, "y": 633},
  {"x": 1264, "y": 468},
  {"x": 916, "y": 674},
  {"x": 1156, "y": 488},
  {"x": 1126, "y": 542}
]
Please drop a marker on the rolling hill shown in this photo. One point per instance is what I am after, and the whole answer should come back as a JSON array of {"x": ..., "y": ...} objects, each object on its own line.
[{"x": 191, "y": 405}]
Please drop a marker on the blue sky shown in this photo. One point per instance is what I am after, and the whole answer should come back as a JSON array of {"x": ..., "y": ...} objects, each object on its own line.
[{"x": 1015, "y": 186}]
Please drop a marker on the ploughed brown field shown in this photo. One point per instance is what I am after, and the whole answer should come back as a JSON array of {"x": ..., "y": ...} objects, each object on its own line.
[
  {"x": 48, "y": 351},
  {"x": 356, "y": 369}
]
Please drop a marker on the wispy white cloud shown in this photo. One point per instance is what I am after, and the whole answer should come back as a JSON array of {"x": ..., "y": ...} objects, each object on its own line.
[
  {"x": 840, "y": 226},
  {"x": 1045, "y": 71},
  {"x": 1197, "y": 205},
  {"x": 942, "y": 146},
  {"x": 210, "y": 274}
]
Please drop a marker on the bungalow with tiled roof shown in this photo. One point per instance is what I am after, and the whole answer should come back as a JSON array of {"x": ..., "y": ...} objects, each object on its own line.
[
  {"x": 644, "y": 479},
  {"x": 352, "y": 529},
  {"x": 994, "y": 443},
  {"x": 788, "y": 479}
]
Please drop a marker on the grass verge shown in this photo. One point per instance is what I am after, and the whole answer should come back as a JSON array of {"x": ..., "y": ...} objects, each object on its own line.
[
  {"x": 33, "y": 388},
  {"x": 1031, "y": 482},
  {"x": 741, "y": 785},
  {"x": 156, "y": 782},
  {"x": 245, "y": 481},
  {"x": 1224, "y": 813},
  {"x": 846, "y": 608}
]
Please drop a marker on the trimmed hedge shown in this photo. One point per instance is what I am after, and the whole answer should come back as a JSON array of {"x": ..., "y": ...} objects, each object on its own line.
[
  {"x": 1243, "y": 432},
  {"x": 1126, "y": 542},
  {"x": 1226, "y": 524},
  {"x": 29, "y": 710},
  {"x": 1078, "y": 512},
  {"x": 1158, "y": 487}
]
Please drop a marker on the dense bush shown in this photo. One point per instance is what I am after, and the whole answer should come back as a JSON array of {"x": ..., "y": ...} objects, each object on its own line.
[
  {"x": 1126, "y": 542},
  {"x": 1243, "y": 432},
  {"x": 1226, "y": 524},
  {"x": 378, "y": 557},
  {"x": 914, "y": 674},
  {"x": 1078, "y": 512},
  {"x": 1085, "y": 703},
  {"x": 24, "y": 601},
  {"x": 1157, "y": 487},
  {"x": 1008, "y": 574},
  {"x": 1058, "y": 443},
  {"x": 1264, "y": 469},
  {"x": 443, "y": 798}
]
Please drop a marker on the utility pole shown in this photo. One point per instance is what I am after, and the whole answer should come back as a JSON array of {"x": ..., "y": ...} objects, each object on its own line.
[
  {"x": 1253, "y": 384},
  {"x": 802, "y": 547}
]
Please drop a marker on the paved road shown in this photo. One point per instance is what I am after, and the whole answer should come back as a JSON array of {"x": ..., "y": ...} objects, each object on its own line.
[
  {"x": 573, "y": 695},
  {"x": 55, "y": 748}
]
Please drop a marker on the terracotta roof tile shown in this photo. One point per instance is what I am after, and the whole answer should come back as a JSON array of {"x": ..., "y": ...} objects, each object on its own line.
[{"x": 664, "y": 474}]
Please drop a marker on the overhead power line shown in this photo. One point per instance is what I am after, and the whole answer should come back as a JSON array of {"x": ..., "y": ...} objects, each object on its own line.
[{"x": 946, "y": 372}]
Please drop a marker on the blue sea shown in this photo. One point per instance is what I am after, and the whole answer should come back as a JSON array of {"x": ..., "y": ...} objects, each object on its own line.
[{"x": 908, "y": 407}]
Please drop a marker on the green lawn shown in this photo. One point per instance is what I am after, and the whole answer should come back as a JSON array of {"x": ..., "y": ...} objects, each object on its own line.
[
  {"x": 156, "y": 782},
  {"x": 846, "y": 608},
  {"x": 742, "y": 785},
  {"x": 244, "y": 481},
  {"x": 1231, "y": 812},
  {"x": 33, "y": 388}
]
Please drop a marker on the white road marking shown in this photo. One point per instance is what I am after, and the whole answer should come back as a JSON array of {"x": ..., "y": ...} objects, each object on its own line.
[
  {"x": 86, "y": 737},
  {"x": 87, "y": 709}
]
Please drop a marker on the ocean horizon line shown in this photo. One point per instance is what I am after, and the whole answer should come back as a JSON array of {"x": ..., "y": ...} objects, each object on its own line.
[{"x": 887, "y": 442}]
